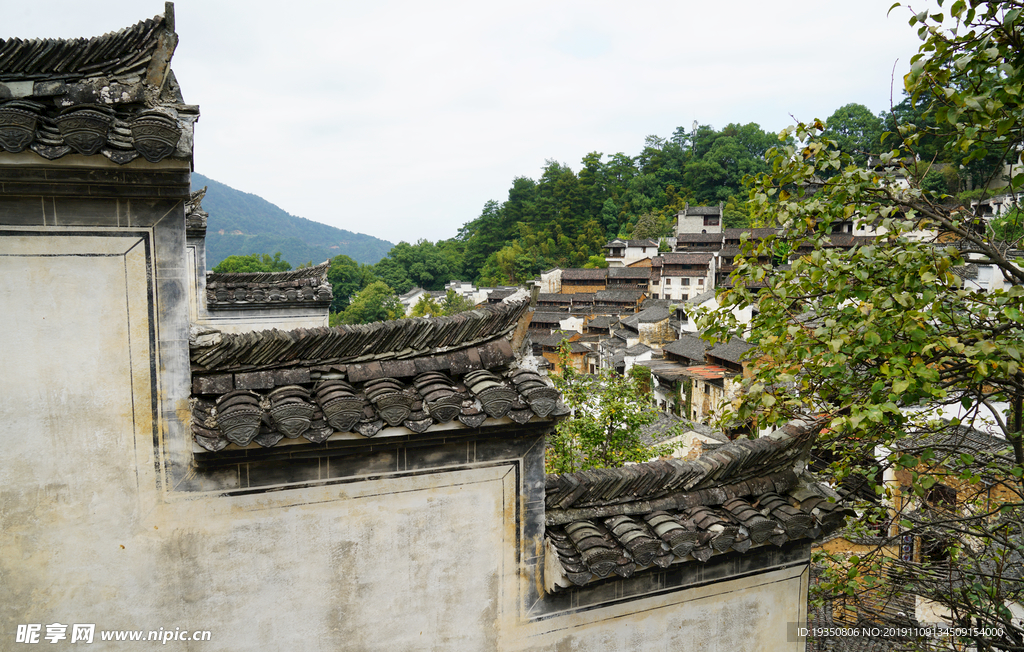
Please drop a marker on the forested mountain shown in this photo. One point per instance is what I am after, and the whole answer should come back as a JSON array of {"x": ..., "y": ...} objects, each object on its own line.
[
  {"x": 565, "y": 217},
  {"x": 241, "y": 223}
]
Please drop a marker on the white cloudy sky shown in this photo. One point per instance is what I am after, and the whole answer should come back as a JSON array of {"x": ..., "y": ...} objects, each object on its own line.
[{"x": 400, "y": 119}]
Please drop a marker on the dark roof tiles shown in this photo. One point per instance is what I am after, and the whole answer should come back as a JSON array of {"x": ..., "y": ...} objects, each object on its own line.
[
  {"x": 112, "y": 95},
  {"x": 579, "y": 274},
  {"x": 125, "y": 52},
  {"x": 732, "y": 351},
  {"x": 405, "y": 338},
  {"x": 624, "y": 520},
  {"x": 643, "y": 273},
  {"x": 687, "y": 258},
  {"x": 267, "y": 289},
  {"x": 690, "y": 347}
]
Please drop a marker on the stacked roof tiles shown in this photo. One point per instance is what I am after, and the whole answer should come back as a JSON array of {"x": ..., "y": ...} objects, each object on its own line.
[
  {"x": 112, "y": 95},
  {"x": 262, "y": 388},
  {"x": 750, "y": 492},
  {"x": 307, "y": 286}
]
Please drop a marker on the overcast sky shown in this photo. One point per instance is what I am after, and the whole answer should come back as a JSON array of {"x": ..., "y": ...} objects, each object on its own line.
[{"x": 400, "y": 119}]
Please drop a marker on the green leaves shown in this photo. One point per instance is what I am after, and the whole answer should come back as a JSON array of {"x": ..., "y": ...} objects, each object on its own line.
[
  {"x": 888, "y": 338},
  {"x": 608, "y": 411}
]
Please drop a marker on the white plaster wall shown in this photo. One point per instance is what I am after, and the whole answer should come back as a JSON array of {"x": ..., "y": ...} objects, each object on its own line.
[
  {"x": 572, "y": 323},
  {"x": 92, "y": 534},
  {"x": 750, "y": 614},
  {"x": 244, "y": 321}
]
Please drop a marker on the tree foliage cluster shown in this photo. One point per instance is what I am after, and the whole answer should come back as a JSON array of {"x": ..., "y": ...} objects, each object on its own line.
[
  {"x": 565, "y": 217},
  {"x": 253, "y": 263},
  {"x": 888, "y": 340},
  {"x": 604, "y": 428}
]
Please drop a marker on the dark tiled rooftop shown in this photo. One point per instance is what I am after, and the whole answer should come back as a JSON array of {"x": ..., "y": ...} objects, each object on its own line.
[
  {"x": 732, "y": 350},
  {"x": 703, "y": 210},
  {"x": 390, "y": 340},
  {"x": 266, "y": 408},
  {"x": 125, "y": 52},
  {"x": 307, "y": 286},
  {"x": 699, "y": 237},
  {"x": 651, "y": 315},
  {"x": 548, "y": 317},
  {"x": 742, "y": 494},
  {"x": 554, "y": 298},
  {"x": 618, "y": 296},
  {"x": 579, "y": 274},
  {"x": 112, "y": 95},
  {"x": 259, "y": 389},
  {"x": 681, "y": 258},
  {"x": 690, "y": 347},
  {"x": 752, "y": 233}
]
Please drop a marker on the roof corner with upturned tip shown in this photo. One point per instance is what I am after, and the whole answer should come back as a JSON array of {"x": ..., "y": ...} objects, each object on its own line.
[{"x": 113, "y": 95}]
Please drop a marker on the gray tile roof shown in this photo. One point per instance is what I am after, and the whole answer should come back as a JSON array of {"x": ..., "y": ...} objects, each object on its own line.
[
  {"x": 606, "y": 522},
  {"x": 259, "y": 389},
  {"x": 554, "y": 298},
  {"x": 618, "y": 296},
  {"x": 651, "y": 315},
  {"x": 388, "y": 340},
  {"x": 125, "y": 52},
  {"x": 699, "y": 237},
  {"x": 687, "y": 258},
  {"x": 688, "y": 346},
  {"x": 554, "y": 338},
  {"x": 698, "y": 299},
  {"x": 732, "y": 350},
  {"x": 579, "y": 274},
  {"x": 548, "y": 317},
  {"x": 752, "y": 233},
  {"x": 307, "y": 286},
  {"x": 703, "y": 210},
  {"x": 112, "y": 95}
]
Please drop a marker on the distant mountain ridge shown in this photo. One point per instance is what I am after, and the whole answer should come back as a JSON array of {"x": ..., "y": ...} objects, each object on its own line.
[{"x": 241, "y": 223}]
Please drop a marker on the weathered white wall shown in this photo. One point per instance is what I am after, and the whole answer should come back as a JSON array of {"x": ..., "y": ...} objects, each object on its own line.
[
  {"x": 244, "y": 321},
  {"x": 91, "y": 537},
  {"x": 750, "y": 614}
]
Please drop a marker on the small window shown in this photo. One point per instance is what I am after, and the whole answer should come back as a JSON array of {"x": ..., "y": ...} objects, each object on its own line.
[
  {"x": 643, "y": 250},
  {"x": 707, "y": 389},
  {"x": 655, "y": 295},
  {"x": 700, "y": 281},
  {"x": 668, "y": 281},
  {"x": 686, "y": 281},
  {"x": 710, "y": 220},
  {"x": 685, "y": 297}
]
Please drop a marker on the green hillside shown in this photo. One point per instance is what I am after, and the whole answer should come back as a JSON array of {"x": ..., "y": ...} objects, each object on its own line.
[{"x": 241, "y": 223}]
